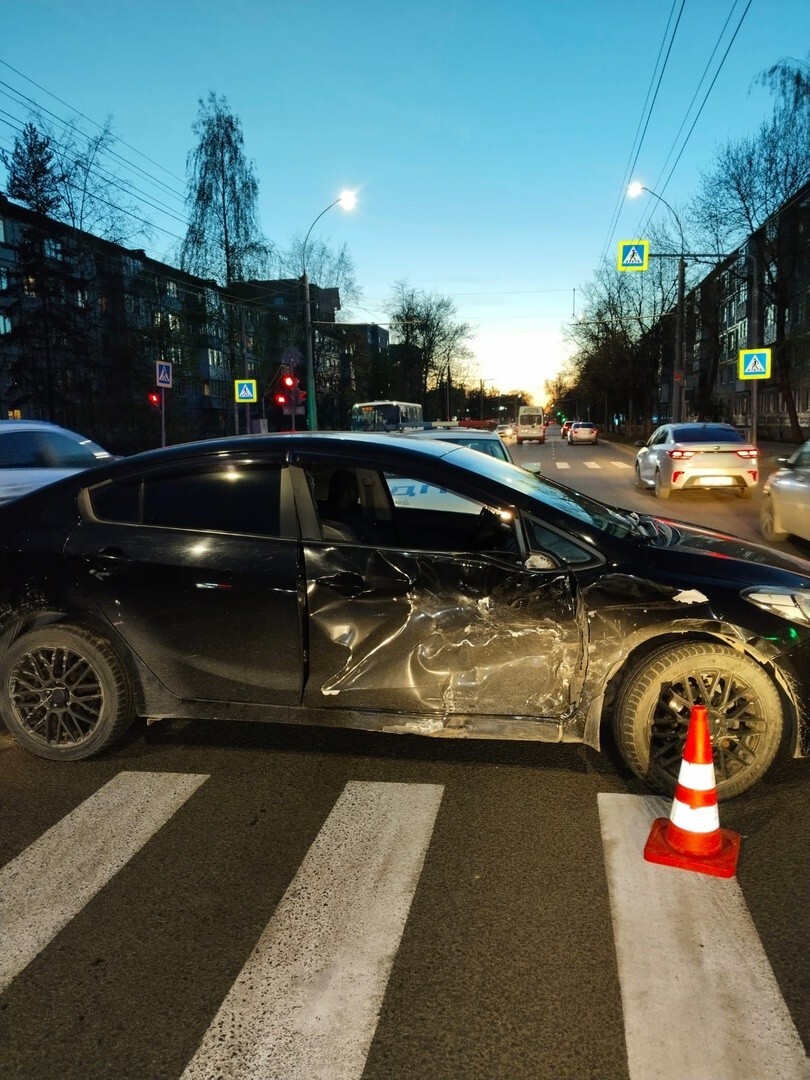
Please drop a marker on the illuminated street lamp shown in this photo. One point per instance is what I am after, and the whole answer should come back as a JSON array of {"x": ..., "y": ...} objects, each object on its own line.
[
  {"x": 679, "y": 365},
  {"x": 347, "y": 200}
]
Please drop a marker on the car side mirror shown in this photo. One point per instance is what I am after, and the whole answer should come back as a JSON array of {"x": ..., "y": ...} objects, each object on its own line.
[{"x": 540, "y": 562}]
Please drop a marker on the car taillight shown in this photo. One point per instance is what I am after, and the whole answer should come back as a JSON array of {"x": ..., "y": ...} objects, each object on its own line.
[
  {"x": 748, "y": 453},
  {"x": 681, "y": 455}
]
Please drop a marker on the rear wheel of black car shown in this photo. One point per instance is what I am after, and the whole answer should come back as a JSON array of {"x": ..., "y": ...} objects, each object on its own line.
[
  {"x": 64, "y": 694},
  {"x": 654, "y": 706}
]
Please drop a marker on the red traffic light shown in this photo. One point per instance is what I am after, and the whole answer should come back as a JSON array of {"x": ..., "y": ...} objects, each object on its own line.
[
  {"x": 289, "y": 381},
  {"x": 153, "y": 399},
  {"x": 280, "y": 399}
]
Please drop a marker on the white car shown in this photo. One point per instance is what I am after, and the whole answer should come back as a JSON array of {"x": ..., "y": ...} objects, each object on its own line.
[
  {"x": 681, "y": 457},
  {"x": 785, "y": 507},
  {"x": 486, "y": 442},
  {"x": 34, "y": 453},
  {"x": 583, "y": 431}
]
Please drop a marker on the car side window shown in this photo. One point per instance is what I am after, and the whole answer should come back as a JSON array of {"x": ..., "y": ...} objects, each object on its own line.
[
  {"x": 231, "y": 498},
  {"x": 543, "y": 540}
]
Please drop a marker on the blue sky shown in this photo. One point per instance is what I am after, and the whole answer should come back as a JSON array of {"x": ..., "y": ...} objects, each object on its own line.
[{"x": 488, "y": 143}]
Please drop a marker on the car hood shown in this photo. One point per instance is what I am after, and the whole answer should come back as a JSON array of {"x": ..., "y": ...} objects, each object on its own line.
[{"x": 731, "y": 555}]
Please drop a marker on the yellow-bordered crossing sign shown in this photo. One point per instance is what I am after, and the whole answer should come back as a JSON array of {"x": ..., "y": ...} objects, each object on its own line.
[
  {"x": 244, "y": 391},
  {"x": 754, "y": 364},
  {"x": 633, "y": 255}
]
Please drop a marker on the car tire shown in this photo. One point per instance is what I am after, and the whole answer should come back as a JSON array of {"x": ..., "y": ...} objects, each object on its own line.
[
  {"x": 745, "y": 492},
  {"x": 661, "y": 490},
  {"x": 64, "y": 694},
  {"x": 653, "y": 708},
  {"x": 519, "y": 442},
  {"x": 767, "y": 521},
  {"x": 639, "y": 482}
]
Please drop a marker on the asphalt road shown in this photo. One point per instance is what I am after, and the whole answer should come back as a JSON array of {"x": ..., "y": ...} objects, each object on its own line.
[{"x": 247, "y": 901}]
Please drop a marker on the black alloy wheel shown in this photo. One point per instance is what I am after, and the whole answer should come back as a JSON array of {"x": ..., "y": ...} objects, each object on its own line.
[
  {"x": 64, "y": 694},
  {"x": 654, "y": 706}
]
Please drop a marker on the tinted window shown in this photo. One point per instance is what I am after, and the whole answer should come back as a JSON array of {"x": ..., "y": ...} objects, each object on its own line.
[
  {"x": 239, "y": 499},
  {"x": 484, "y": 446},
  {"x": 235, "y": 498},
  {"x": 117, "y": 501},
  {"x": 706, "y": 433}
]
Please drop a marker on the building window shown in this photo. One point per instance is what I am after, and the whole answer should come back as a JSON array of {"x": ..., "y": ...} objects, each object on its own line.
[
  {"x": 30, "y": 285},
  {"x": 5, "y": 324},
  {"x": 53, "y": 248},
  {"x": 3, "y": 279},
  {"x": 171, "y": 288}
]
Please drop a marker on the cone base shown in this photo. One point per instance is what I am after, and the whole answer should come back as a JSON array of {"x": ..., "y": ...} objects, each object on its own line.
[{"x": 723, "y": 864}]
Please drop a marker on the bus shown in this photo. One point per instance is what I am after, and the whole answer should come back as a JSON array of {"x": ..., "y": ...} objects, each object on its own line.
[
  {"x": 531, "y": 424},
  {"x": 386, "y": 415}
]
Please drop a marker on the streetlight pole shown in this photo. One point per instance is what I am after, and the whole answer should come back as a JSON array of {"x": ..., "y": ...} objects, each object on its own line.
[
  {"x": 679, "y": 363},
  {"x": 348, "y": 200}
]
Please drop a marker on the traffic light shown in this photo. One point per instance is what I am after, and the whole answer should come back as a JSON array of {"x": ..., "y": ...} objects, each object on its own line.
[
  {"x": 154, "y": 399},
  {"x": 289, "y": 392}
]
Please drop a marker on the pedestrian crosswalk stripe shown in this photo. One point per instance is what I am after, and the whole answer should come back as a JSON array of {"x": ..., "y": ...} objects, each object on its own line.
[
  {"x": 592, "y": 465},
  {"x": 699, "y": 996},
  {"x": 562, "y": 465},
  {"x": 621, "y": 465},
  {"x": 306, "y": 1004},
  {"x": 49, "y": 883}
]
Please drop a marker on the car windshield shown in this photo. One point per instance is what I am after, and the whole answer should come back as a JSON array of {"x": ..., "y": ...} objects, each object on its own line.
[{"x": 706, "y": 433}]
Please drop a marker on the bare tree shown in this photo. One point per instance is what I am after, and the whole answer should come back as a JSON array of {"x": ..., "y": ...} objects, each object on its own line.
[
  {"x": 328, "y": 267},
  {"x": 428, "y": 338},
  {"x": 224, "y": 242}
]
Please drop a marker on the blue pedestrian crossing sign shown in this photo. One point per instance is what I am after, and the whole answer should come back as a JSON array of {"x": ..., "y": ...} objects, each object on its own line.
[
  {"x": 244, "y": 391},
  {"x": 754, "y": 364},
  {"x": 163, "y": 373},
  {"x": 633, "y": 255}
]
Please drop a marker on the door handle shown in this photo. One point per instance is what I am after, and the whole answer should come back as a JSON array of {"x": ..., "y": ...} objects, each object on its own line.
[
  {"x": 114, "y": 554},
  {"x": 345, "y": 584}
]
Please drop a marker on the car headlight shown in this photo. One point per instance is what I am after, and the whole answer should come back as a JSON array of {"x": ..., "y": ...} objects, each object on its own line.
[{"x": 790, "y": 604}]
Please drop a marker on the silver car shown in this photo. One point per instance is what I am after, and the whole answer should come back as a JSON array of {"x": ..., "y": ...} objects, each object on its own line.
[
  {"x": 486, "y": 442},
  {"x": 34, "y": 453},
  {"x": 682, "y": 457},
  {"x": 582, "y": 431},
  {"x": 785, "y": 507}
]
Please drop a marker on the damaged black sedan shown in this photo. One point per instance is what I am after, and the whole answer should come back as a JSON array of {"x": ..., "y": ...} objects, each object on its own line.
[{"x": 391, "y": 585}]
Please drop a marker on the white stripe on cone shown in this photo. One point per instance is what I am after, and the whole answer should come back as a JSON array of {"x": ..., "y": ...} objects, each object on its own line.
[
  {"x": 696, "y": 777},
  {"x": 696, "y": 819}
]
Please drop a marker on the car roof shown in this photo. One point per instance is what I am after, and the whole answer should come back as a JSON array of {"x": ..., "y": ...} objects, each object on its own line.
[
  {"x": 448, "y": 433},
  {"x": 33, "y": 425}
]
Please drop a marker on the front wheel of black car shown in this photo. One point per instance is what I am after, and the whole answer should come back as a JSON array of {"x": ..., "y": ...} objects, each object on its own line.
[
  {"x": 64, "y": 694},
  {"x": 654, "y": 706}
]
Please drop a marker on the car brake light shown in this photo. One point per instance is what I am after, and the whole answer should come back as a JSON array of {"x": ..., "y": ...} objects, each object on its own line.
[
  {"x": 681, "y": 455},
  {"x": 748, "y": 453}
]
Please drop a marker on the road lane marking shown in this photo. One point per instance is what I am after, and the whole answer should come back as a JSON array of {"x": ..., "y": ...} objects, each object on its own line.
[
  {"x": 592, "y": 465},
  {"x": 621, "y": 465},
  {"x": 46, "y": 885},
  {"x": 562, "y": 464},
  {"x": 306, "y": 1004},
  {"x": 700, "y": 999}
]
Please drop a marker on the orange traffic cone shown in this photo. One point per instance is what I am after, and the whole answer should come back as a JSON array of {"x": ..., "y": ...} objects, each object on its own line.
[{"x": 692, "y": 838}]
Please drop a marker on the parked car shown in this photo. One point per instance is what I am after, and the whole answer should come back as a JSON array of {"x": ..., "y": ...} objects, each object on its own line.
[
  {"x": 279, "y": 578},
  {"x": 785, "y": 509},
  {"x": 34, "y": 453},
  {"x": 485, "y": 442},
  {"x": 583, "y": 431},
  {"x": 682, "y": 457}
]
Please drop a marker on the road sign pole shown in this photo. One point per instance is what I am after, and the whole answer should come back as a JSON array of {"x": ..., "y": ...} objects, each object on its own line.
[{"x": 162, "y": 416}]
